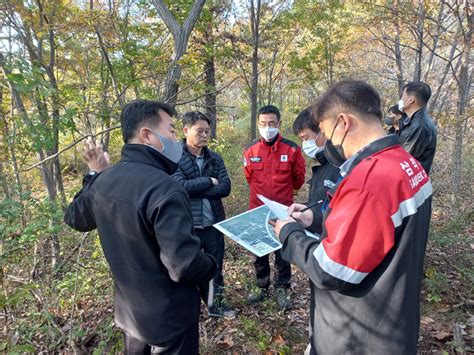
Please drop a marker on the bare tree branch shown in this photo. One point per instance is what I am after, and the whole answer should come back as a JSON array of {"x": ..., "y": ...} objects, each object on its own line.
[{"x": 70, "y": 146}]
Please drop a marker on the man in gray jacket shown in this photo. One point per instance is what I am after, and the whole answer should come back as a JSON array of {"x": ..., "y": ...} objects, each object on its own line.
[
  {"x": 203, "y": 175},
  {"x": 145, "y": 225}
]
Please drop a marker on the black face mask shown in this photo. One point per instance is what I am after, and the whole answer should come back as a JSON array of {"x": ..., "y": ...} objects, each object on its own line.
[
  {"x": 335, "y": 153},
  {"x": 389, "y": 121}
]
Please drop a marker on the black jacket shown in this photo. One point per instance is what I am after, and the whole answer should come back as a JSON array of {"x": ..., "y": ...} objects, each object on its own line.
[
  {"x": 200, "y": 186},
  {"x": 324, "y": 177},
  {"x": 366, "y": 272},
  {"x": 418, "y": 136},
  {"x": 145, "y": 225}
]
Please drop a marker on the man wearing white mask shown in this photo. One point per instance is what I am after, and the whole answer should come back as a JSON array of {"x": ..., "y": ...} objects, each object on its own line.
[
  {"x": 274, "y": 167},
  {"x": 325, "y": 175},
  {"x": 145, "y": 225},
  {"x": 417, "y": 132}
]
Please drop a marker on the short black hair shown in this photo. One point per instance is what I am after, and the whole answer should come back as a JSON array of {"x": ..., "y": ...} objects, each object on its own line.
[
  {"x": 305, "y": 120},
  {"x": 420, "y": 90},
  {"x": 139, "y": 112},
  {"x": 269, "y": 109},
  {"x": 190, "y": 118},
  {"x": 394, "y": 109},
  {"x": 353, "y": 95}
]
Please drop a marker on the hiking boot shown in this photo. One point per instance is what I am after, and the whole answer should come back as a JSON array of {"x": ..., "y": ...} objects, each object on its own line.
[
  {"x": 221, "y": 311},
  {"x": 257, "y": 296},
  {"x": 283, "y": 298}
]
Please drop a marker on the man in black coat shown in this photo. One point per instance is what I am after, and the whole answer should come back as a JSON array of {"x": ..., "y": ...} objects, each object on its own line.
[
  {"x": 145, "y": 225},
  {"x": 203, "y": 175},
  {"x": 417, "y": 131},
  {"x": 325, "y": 175}
]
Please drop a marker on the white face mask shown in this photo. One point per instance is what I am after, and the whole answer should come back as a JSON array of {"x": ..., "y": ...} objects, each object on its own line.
[
  {"x": 310, "y": 148},
  {"x": 401, "y": 105},
  {"x": 268, "y": 133}
]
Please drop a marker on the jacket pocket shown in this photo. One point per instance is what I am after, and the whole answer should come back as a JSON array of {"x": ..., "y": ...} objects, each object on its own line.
[
  {"x": 256, "y": 166},
  {"x": 283, "y": 172},
  {"x": 257, "y": 171}
]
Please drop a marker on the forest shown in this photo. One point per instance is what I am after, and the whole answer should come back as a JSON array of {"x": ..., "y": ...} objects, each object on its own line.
[{"x": 67, "y": 69}]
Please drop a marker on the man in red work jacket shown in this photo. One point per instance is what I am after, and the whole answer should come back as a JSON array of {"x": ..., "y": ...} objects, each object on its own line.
[{"x": 274, "y": 166}]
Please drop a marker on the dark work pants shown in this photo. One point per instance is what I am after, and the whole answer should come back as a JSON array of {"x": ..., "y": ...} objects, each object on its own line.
[
  {"x": 185, "y": 343},
  {"x": 212, "y": 242},
  {"x": 282, "y": 274}
]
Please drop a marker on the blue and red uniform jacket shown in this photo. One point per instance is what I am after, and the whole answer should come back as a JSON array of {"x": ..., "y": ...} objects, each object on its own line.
[{"x": 274, "y": 171}]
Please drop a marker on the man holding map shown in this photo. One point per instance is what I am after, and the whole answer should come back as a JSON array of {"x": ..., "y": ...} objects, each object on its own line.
[
  {"x": 274, "y": 167},
  {"x": 367, "y": 270}
]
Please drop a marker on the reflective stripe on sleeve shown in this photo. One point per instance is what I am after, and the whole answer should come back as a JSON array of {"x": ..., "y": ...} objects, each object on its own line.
[
  {"x": 410, "y": 206},
  {"x": 335, "y": 269}
]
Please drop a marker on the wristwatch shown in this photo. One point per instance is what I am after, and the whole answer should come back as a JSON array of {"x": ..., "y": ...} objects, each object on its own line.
[{"x": 89, "y": 176}]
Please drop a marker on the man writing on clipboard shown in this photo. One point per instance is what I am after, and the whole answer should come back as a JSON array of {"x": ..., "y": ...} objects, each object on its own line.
[{"x": 367, "y": 269}]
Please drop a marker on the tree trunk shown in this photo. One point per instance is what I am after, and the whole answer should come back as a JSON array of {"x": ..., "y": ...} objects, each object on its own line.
[
  {"x": 174, "y": 71},
  {"x": 55, "y": 104},
  {"x": 255, "y": 28},
  {"x": 464, "y": 85},
  {"x": 398, "y": 52},
  {"x": 210, "y": 90},
  {"x": 5, "y": 149},
  {"x": 270, "y": 76},
  {"x": 55, "y": 115},
  {"x": 420, "y": 34},
  {"x": 180, "y": 37}
]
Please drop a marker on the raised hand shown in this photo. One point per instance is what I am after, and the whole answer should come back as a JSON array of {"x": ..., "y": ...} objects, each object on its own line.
[{"x": 94, "y": 156}]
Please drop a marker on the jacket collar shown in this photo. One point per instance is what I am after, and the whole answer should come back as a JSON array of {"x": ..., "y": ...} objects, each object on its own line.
[
  {"x": 205, "y": 151},
  {"x": 407, "y": 120},
  {"x": 273, "y": 146},
  {"x": 321, "y": 158},
  {"x": 370, "y": 149},
  {"x": 141, "y": 153}
]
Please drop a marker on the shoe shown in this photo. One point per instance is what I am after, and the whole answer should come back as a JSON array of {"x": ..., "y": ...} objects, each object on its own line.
[
  {"x": 283, "y": 298},
  {"x": 222, "y": 311},
  {"x": 257, "y": 296}
]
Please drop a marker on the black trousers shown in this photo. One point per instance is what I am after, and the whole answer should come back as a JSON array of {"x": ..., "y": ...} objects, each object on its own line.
[
  {"x": 282, "y": 274},
  {"x": 186, "y": 343},
  {"x": 212, "y": 242}
]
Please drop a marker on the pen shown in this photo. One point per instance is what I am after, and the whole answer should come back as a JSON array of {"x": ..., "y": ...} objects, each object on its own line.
[{"x": 310, "y": 206}]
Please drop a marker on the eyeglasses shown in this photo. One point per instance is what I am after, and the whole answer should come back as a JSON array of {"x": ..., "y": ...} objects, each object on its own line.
[{"x": 203, "y": 132}]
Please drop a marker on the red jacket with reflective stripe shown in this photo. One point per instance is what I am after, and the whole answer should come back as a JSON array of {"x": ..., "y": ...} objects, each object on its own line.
[
  {"x": 274, "y": 171},
  {"x": 368, "y": 206},
  {"x": 366, "y": 273}
]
